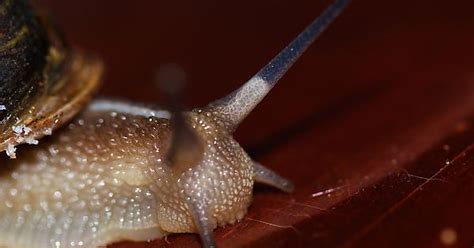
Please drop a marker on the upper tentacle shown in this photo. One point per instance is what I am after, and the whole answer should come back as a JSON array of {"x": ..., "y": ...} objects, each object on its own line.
[{"x": 233, "y": 108}]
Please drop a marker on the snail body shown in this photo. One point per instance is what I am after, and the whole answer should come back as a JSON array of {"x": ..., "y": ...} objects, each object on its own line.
[
  {"x": 125, "y": 171},
  {"x": 109, "y": 166}
]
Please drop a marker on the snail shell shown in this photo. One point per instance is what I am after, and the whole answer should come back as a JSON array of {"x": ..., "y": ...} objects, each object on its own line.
[{"x": 42, "y": 83}]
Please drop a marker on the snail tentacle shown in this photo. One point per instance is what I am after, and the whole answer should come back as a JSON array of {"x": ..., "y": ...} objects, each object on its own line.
[
  {"x": 266, "y": 176},
  {"x": 233, "y": 108},
  {"x": 202, "y": 221}
]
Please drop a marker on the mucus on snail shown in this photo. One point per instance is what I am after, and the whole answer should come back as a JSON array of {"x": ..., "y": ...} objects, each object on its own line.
[{"x": 118, "y": 171}]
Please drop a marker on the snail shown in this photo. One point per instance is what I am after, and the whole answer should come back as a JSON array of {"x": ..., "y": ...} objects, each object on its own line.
[{"x": 118, "y": 170}]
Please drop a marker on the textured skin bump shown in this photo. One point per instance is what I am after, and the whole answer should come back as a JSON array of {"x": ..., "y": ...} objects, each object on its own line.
[{"x": 104, "y": 178}]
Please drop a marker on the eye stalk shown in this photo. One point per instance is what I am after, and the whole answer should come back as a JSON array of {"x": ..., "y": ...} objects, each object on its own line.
[
  {"x": 233, "y": 108},
  {"x": 186, "y": 148}
]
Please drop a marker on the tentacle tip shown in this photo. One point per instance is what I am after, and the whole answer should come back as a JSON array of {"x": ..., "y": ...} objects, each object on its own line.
[{"x": 287, "y": 186}]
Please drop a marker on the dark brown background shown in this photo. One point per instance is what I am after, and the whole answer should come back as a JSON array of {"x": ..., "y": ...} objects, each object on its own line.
[{"x": 376, "y": 116}]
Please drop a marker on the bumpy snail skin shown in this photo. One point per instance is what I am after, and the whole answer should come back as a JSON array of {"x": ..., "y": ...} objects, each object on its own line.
[{"x": 104, "y": 178}]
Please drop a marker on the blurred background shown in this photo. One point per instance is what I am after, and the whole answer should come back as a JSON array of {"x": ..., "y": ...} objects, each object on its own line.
[
  {"x": 221, "y": 44},
  {"x": 369, "y": 106}
]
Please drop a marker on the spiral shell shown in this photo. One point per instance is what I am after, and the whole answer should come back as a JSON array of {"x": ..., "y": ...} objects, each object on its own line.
[{"x": 42, "y": 83}]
